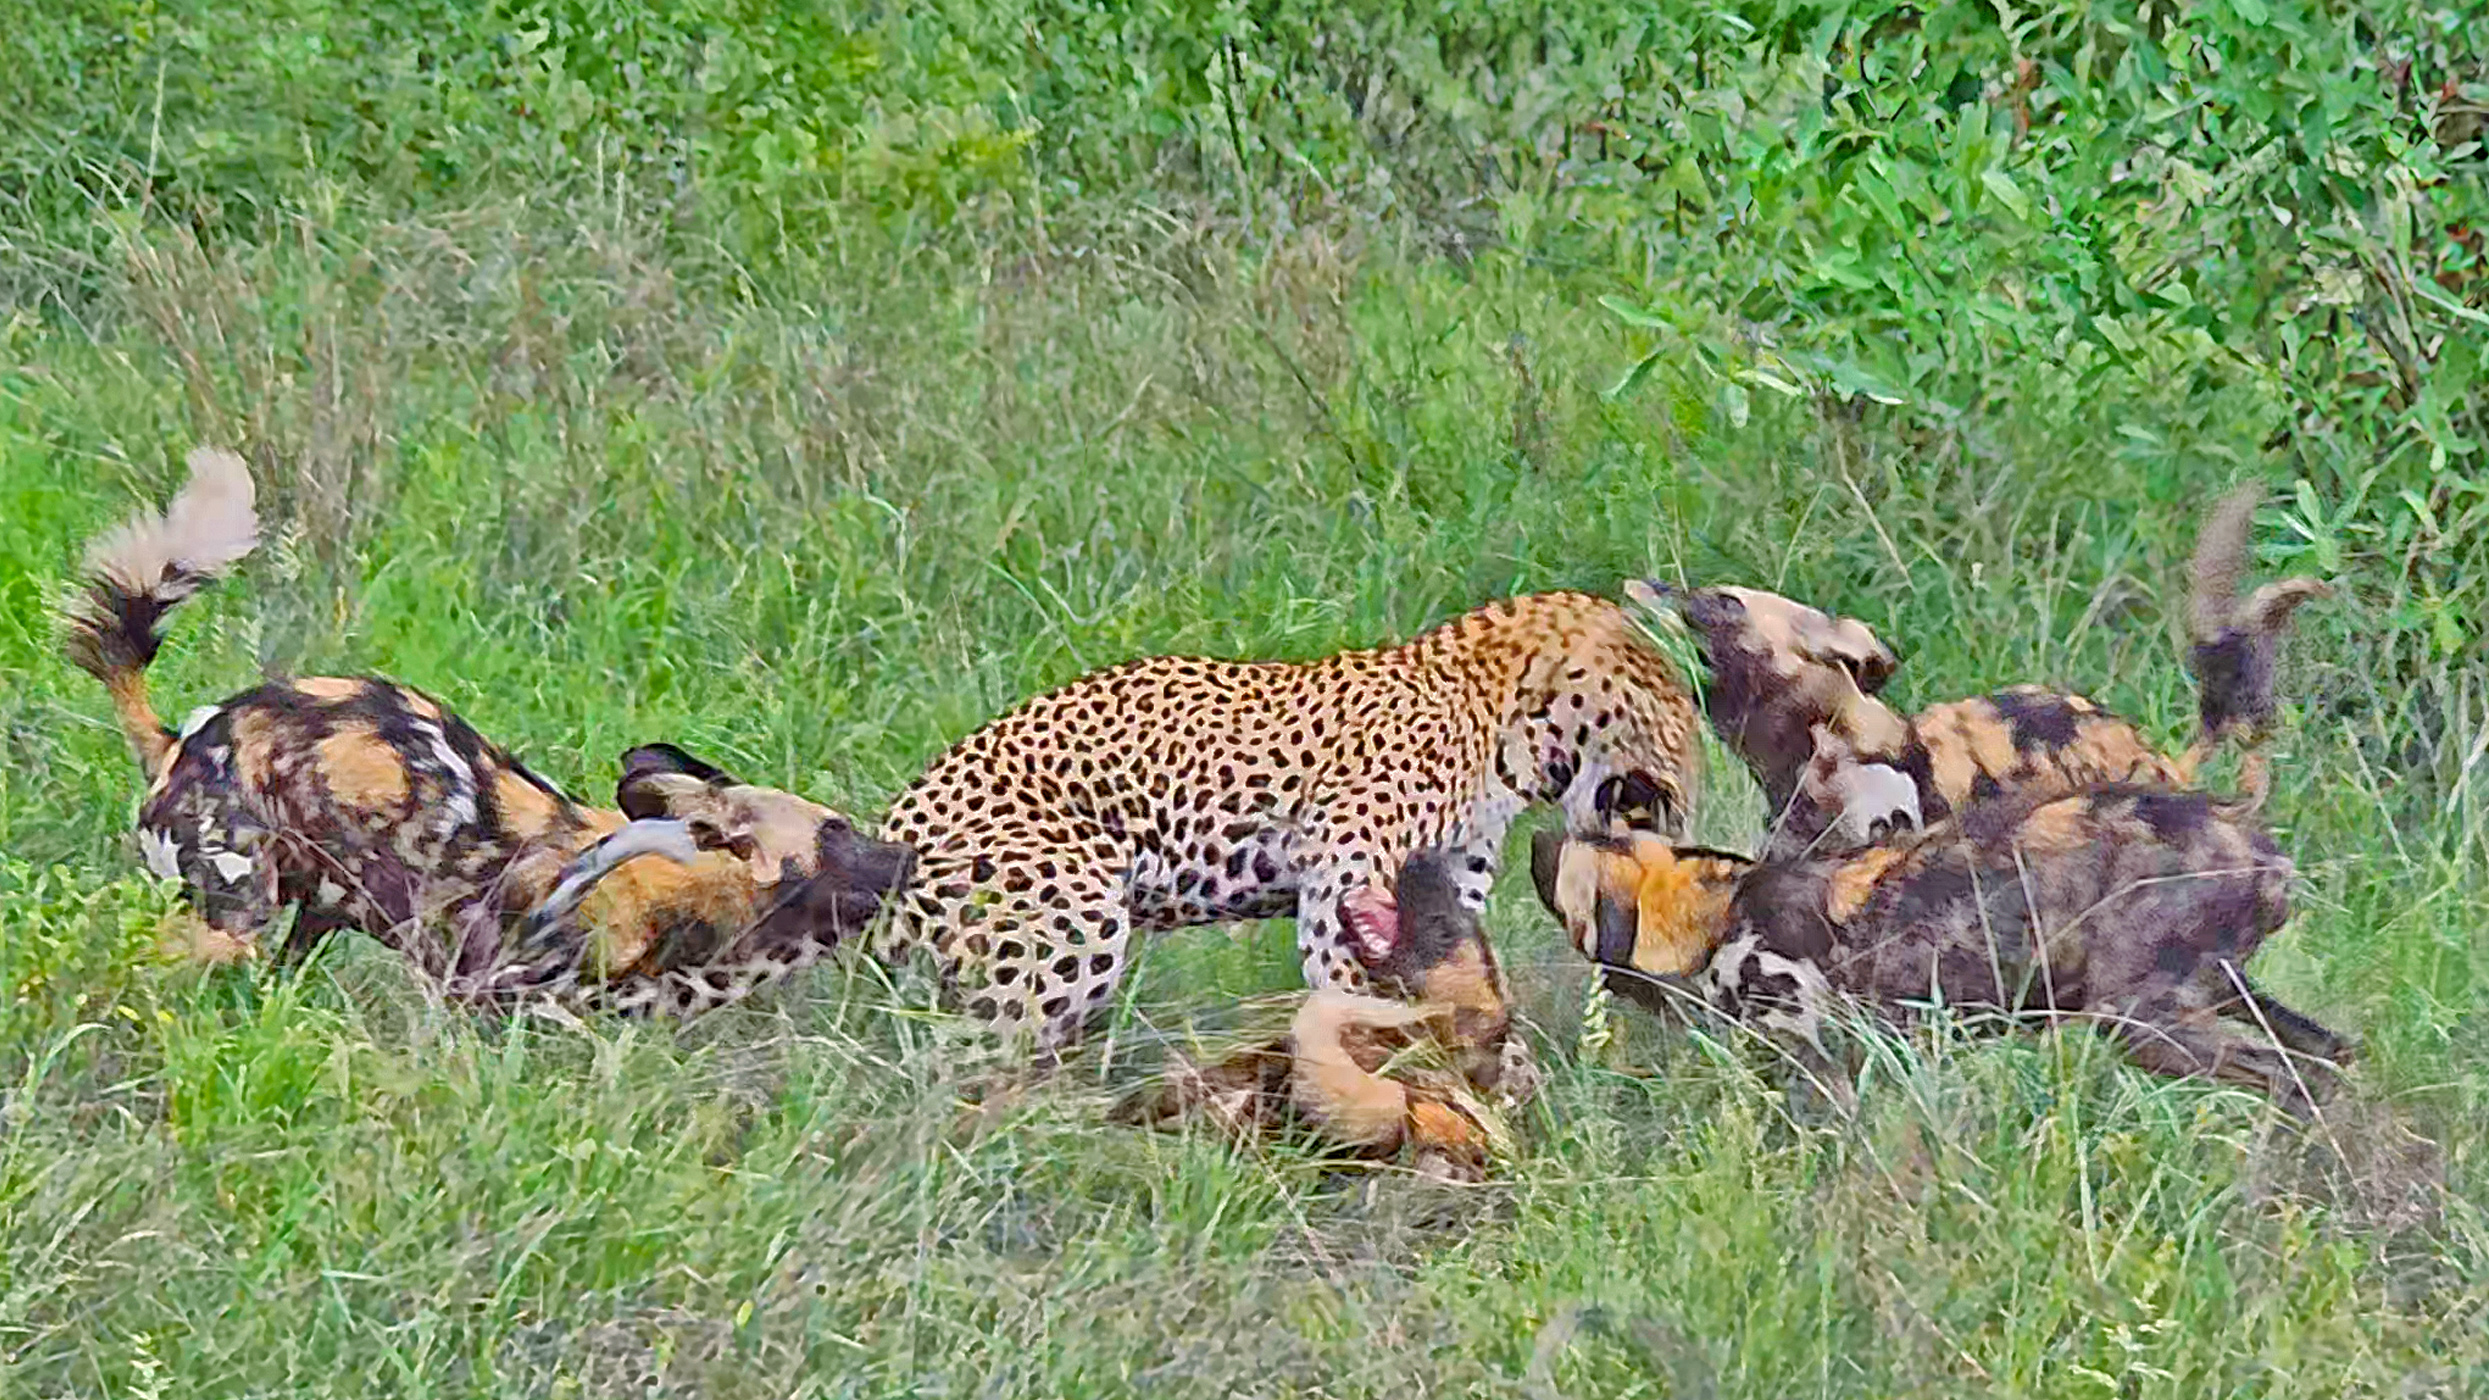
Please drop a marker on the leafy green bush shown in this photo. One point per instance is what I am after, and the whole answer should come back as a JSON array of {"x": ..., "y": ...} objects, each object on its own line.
[{"x": 2094, "y": 210}]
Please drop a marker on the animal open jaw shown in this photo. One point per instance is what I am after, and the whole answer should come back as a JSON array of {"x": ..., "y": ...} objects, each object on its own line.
[{"x": 1376, "y": 1075}]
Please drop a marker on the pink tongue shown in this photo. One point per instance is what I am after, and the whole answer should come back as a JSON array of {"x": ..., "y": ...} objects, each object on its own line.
[{"x": 1373, "y": 920}]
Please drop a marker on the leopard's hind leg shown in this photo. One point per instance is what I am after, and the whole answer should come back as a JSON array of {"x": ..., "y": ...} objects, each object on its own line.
[{"x": 1032, "y": 943}]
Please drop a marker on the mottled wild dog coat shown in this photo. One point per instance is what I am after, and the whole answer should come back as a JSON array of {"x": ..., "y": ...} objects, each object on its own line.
[
  {"x": 366, "y": 804},
  {"x": 1352, "y": 1067},
  {"x": 1177, "y": 791},
  {"x": 2135, "y": 908},
  {"x": 1783, "y": 673}
]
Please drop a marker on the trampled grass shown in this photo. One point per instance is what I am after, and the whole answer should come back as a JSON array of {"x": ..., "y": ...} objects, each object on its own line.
[{"x": 818, "y": 533}]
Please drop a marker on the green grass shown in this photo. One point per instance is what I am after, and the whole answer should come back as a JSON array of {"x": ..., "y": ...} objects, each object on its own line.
[{"x": 540, "y": 456}]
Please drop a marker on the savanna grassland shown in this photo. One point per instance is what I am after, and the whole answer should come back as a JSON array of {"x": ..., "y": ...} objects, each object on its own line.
[{"x": 806, "y": 384}]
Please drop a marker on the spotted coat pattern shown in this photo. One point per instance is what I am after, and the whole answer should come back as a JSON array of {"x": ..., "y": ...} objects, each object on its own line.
[{"x": 1173, "y": 792}]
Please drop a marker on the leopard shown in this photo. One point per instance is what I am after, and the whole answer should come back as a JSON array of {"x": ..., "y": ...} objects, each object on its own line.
[{"x": 1177, "y": 791}]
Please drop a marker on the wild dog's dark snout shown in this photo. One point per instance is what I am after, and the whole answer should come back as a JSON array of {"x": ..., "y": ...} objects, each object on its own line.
[
  {"x": 867, "y": 864},
  {"x": 1620, "y": 927},
  {"x": 857, "y": 875},
  {"x": 1546, "y": 860}
]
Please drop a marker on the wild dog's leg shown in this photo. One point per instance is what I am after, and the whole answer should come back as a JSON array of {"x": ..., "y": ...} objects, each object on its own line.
[
  {"x": 1033, "y": 943},
  {"x": 2179, "y": 1033},
  {"x": 2298, "y": 1032}
]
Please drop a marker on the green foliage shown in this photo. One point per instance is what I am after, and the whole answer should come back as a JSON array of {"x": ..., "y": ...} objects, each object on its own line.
[
  {"x": 805, "y": 384},
  {"x": 2082, "y": 210}
]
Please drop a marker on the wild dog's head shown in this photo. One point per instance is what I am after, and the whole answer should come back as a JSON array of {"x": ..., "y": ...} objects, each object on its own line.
[
  {"x": 1649, "y": 911},
  {"x": 823, "y": 872},
  {"x": 1420, "y": 943},
  {"x": 738, "y": 861},
  {"x": 1778, "y": 669}
]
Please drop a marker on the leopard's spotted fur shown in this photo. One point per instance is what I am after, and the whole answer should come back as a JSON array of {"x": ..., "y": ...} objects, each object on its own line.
[{"x": 1174, "y": 791}]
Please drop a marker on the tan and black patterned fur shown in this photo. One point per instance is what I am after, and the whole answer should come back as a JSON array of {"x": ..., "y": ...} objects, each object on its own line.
[
  {"x": 365, "y": 804},
  {"x": 1344, "y": 1069},
  {"x": 2133, "y": 908},
  {"x": 1784, "y": 675}
]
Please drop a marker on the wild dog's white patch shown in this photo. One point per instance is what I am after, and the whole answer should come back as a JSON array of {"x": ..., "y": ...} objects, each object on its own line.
[
  {"x": 232, "y": 866},
  {"x": 1870, "y": 793},
  {"x": 458, "y": 805},
  {"x": 161, "y": 852}
]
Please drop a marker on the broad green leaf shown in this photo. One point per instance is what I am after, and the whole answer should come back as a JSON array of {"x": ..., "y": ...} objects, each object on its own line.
[
  {"x": 1633, "y": 315},
  {"x": 1633, "y": 377},
  {"x": 2007, "y": 193},
  {"x": 1733, "y": 402}
]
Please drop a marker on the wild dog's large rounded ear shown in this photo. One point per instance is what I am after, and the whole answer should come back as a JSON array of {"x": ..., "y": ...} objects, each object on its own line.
[
  {"x": 658, "y": 778},
  {"x": 1850, "y": 646},
  {"x": 1654, "y": 594},
  {"x": 1869, "y": 660}
]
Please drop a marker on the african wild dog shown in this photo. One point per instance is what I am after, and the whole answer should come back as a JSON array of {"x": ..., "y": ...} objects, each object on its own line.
[
  {"x": 1781, "y": 672},
  {"x": 365, "y": 804},
  {"x": 1335, "y": 1070},
  {"x": 2131, "y": 907}
]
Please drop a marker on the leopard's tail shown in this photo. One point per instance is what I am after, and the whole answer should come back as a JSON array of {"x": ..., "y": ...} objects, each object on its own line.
[
  {"x": 2235, "y": 641},
  {"x": 142, "y": 570}
]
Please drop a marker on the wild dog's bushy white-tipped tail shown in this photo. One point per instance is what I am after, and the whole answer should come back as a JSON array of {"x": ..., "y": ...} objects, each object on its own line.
[
  {"x": 2235, "y": 639},
  {"x": 145, "y": 567},
  {"x": 2219, "y": 564}
]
